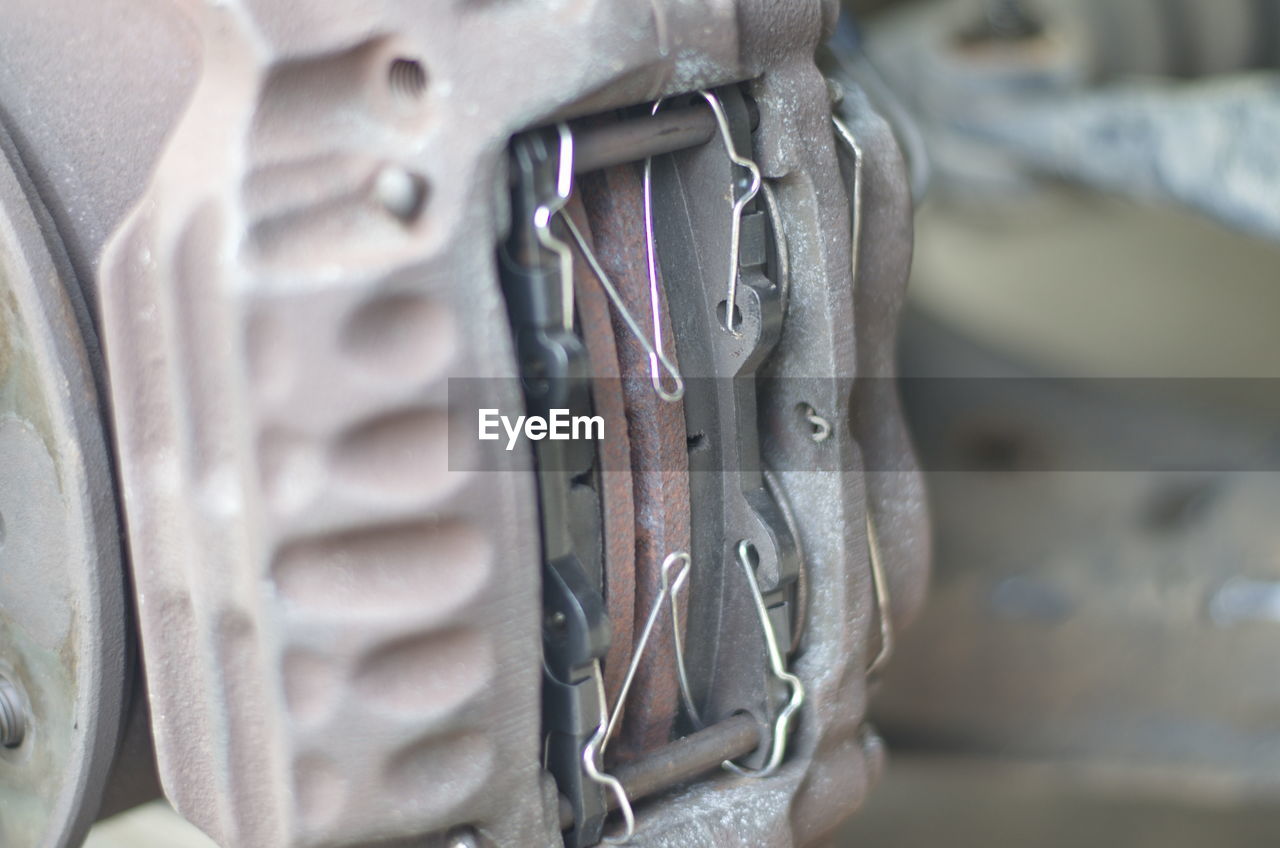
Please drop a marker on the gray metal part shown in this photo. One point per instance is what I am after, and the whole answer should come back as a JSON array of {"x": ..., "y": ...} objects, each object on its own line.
[
  {"x": 896, "y": 498},
  {"x": 833, "y": 755},
  {"x": 727, "y": 489},
  {"x": 341, "y": 635},
  {"x": 830, "y": 508},
  {"x": 62, "y": 599}
]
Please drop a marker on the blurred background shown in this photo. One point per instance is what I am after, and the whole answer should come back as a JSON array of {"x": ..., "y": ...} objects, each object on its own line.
[
  {"x": 1099, "y": 207},
  {"x": 1091, "y": 359}
]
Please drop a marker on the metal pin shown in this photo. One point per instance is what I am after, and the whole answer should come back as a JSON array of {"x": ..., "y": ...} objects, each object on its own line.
[
  {"x": 592, "y": 762},
  {"x": 882, "y": 599},
  {"x": 735, "y": 233},
  {"x": 778, "y": 667},
  {"x": 542, "y": 224},
  {"x": 657, "y": 359}
]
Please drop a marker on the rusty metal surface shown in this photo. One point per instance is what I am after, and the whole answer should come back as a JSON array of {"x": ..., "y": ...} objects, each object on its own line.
[
  {"x": 605, "y": 144},
  {"x": 680, "y": 761},
  {"x": 626, "y": 141},
  {"x": 689, "y": 757},
  {"x": 616, "y": 500},
  {"x": 834, "y": 757},
  {"x": 64, "y": 649},
  {"x": 659, "y": 456},
  {"x": 312, "y": 580}
]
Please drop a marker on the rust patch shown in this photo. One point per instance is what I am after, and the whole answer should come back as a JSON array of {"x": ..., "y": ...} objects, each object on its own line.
[
  {"x": 615, "y": 204},
  {"x": 616, "y": 500}
]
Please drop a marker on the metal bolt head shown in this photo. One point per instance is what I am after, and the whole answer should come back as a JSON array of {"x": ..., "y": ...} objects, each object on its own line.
[
  {"x": 464, "y": 837},
  {"x": 13, "y": 719},
  {"x": 400, "y": 192}
]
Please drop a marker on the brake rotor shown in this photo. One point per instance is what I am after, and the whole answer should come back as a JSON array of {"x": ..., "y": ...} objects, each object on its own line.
[
  {"x": 659, "y": 459},
  {"x": 616, "y": 501},
  {"x": 62, "y": 621}
]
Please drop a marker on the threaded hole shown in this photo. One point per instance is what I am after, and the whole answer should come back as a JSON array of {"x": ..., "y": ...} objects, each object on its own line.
[
  {"x": 407, "y": 79},
  {"x": 13, "y": 723}
]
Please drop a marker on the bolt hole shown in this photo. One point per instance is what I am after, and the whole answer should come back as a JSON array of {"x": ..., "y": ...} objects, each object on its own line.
[
  {"x": 749, "y": 551},
  {"x": 13, "y": 719},
  {"x": 407, "y": 79},
  {"x": 721, "y": 309}
]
